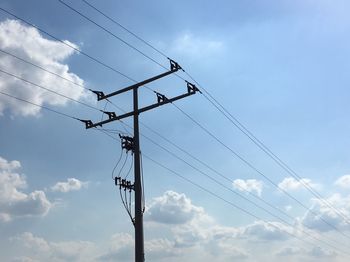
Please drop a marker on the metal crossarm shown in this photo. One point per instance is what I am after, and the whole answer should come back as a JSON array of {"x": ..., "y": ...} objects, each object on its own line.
[{"x": 174, "y": 67}]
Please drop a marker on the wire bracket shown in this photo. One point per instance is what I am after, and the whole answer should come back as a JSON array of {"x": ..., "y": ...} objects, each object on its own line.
[
  {"x": 191, "y": 88},
  {"x": 88, "y": 123},
  {"x": 127, "y": 143},
  {"x": 161, "y": 98},
  {"x": 111, "y": 115},
  {"x": 124, "y": 184},
  {"x": 174, "y": 66},
  {"x": 100, "y": 94}
]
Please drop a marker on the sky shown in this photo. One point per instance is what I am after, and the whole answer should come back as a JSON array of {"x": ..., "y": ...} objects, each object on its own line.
[{"x": 278, "y": 67}]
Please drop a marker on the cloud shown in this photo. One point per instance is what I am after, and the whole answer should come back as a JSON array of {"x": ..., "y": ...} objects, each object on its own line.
[
  {"x": 44, "y": 250},
  {"x": 13, "y": 201},
  {"x": 289, "y": 251},
  {"x": 26, "y": 42},
  {"x": 292, "y": 184},
  {"x": 343, "y": 182},
  {"x": 249, "y": 185},
  {"x": 172, "y": 208},
  {"x": 263, "y": 231},
  {"x": 335, "y": 210},
  {"x": 190, "y": 45},
  {"x": 319, "y": 252},
  {"x": 72, "y": 184},
  {"x": 122, "y": 245}
]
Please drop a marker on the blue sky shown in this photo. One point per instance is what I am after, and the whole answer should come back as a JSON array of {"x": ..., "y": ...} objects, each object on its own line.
[{"x": 280, "y": 67}]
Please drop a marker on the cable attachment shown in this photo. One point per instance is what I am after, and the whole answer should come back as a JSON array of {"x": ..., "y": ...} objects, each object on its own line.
[
  {"x": 192, "y": 89},
  {"x": 124, "y": 184},
  {"x": 127, "y": 143},
  {"x": 111, "y": 115},
  {"x": 174, "y": 66},
  {"x": 88, "y": 123},
  {"x": 100, "y": 95},
  {"x": 160, "y": 97}
]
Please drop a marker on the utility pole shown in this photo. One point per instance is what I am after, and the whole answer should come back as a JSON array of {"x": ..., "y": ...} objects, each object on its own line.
[{"x": 133, "y": 144}]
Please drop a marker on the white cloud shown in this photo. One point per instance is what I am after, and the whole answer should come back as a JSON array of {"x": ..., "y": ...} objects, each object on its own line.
[
  {"x": 27, "y": 43},
  {"x": 249, "y": 185},
  {"x": 191, "y": 45},
  {"x": 172, "y": 208},
  {"x": 292, "y": 184},
  {"x": 319, "y": 252},
  {"x": 335, "y": 210},
  {"x": 44, "y": 250},
  {"x": 289, "y": 251},
  {"x": 122, "y": 245},
  {"x": 72, "y": 184},
  {"x": 343, "y": 182},
  {"x": 263, "y": 231},
  {"x": 13, "y": 201}
]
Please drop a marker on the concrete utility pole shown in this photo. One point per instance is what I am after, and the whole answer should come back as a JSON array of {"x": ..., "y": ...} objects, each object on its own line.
[{"x": 134, "y": 144}]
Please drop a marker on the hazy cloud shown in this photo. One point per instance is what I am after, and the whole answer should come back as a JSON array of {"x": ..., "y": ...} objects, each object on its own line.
[
  {"x": 343, "y": 182},
  {"x": 44, "y": 250}
]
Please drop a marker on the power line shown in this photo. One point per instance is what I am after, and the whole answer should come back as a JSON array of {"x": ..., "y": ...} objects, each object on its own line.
[
  {"x": 110, "y": 32},
  {"x": 257, "y": 170},
  {"x": 41, "y": 106},
  {"x": 73, "y": 47},
  {"x": 126, "y": 29},
  {"x": 219, "y": 107},
  {"x": 229, "y": 189},
  {"x": 50, "y": 90},
  {"x": 68, "y": 45}
]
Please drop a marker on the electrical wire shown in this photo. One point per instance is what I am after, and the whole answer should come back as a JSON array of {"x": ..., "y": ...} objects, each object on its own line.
[
  {"x": 50, "y": 35},
  {"x": 110, "y": 32},
  {"x": 119, "y": 159},
  {"x": 123, "y": 27},
  {"x": 49, "y": 90},
  {"x": 217, "y": 105},
  {"x": 129, "y": 170},
  {"x": 231, "y": 190},
  {"x": 68, "y": 45},
  {"x": 234, "y": 205},
  {"x": 40, "y": 106}
]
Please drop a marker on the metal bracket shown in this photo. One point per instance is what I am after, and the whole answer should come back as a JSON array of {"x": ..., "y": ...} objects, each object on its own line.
[
  {"x": 123, "y": 183},
  {"x": 100, "y": 95},
  {"x": 88, "y": 123},
  {"x": 111, "y": 115},
  {"x": 174, "y": 66},
  {"x": 127, "y": 143},
  {"x": 161, "y": 98},
  {"x": 191, "y": 88}
]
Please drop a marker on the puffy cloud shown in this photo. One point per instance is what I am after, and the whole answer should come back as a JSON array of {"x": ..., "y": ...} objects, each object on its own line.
[
  {"x": 292, "y": 184},
  {"x": 27, "y": 43},
  {"x": 335, "y": 210},
  {"x": 343, "y": 181},
  {"x": 44, "y": 250},
  {"x": 14, "y": 202},
  {"x": 173, "y": 208},
  {"x": 249, "y": 185},
  {"x": 263, "y": 231},
  {"x": 72, "y": 184}
]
